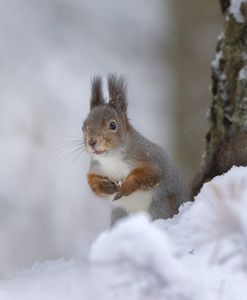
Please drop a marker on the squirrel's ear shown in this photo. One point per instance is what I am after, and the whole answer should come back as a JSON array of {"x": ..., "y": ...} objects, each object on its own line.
[
  {"x": 117, "y": 92},
  {"x": 97, "y": 97}
]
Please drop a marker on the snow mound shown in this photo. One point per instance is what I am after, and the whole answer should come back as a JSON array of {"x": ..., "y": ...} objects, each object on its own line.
[
  {"x": 132, "y": 234},
  {"x": 219, "y": 215},
  {"x": 139, "y": 248},
  {"x": 203, "y": 248},
  {"x": 198, "y": 254}
]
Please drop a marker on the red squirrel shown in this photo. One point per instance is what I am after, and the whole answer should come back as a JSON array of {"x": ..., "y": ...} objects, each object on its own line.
[{"x": 132, "y": 172}]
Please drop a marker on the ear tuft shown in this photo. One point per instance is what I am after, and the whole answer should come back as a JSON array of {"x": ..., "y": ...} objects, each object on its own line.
[
  {"x": 117, "y": 88},
  {"x": 97, "y": 97}
]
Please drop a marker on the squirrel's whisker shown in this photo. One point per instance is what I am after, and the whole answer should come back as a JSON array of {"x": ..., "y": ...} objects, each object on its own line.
[{"x": 68, "y": 152}]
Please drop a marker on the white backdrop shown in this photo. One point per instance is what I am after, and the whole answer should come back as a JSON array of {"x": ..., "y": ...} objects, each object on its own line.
[{"x": 49, "y": 50}]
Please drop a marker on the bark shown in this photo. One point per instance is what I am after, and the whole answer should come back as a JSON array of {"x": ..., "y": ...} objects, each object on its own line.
[
  {"x": 224, "y": 5},
  {"x": 228, "y": 112},
  {"x": 226, "y": 140}
]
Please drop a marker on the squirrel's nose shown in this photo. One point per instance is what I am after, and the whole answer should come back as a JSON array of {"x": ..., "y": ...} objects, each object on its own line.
[{"x": 92, "y": 142}]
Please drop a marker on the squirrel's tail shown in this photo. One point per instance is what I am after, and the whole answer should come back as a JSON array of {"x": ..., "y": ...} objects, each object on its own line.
[{"x": 230, "y": 152}]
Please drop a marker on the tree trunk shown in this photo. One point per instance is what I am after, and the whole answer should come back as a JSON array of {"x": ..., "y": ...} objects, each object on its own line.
[
  {"x": 226, "y": 140},
  {"x": 228, "y": 112}
]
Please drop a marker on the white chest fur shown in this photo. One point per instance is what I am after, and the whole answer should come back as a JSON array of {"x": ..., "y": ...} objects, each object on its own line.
[
  {"x": 136, "y": 202},
  {"x": 116, "y": 168}
]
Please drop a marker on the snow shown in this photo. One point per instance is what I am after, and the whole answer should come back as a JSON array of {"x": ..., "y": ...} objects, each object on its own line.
[
  {"x": 198, "y": 254},
  {"x": 140, "y": 248},
  {"x": 216, "y": 62},
  {"x": 234, "y": 9},
  {"x": 243, "y": 73},
  {"x": 50, "y": 280}
]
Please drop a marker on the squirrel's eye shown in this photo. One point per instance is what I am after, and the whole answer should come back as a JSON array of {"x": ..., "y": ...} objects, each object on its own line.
[{"x": 113, "y": 125}]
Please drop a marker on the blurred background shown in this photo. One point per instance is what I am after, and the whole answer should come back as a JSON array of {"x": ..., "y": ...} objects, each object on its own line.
[{"x": 49, "y": 50}]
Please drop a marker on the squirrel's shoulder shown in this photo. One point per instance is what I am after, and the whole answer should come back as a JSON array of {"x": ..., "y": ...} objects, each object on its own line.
[{"x": 140, "y": 148}]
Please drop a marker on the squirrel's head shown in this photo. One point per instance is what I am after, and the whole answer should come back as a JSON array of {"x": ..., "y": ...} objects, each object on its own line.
[{"x": 106, "y": 126}]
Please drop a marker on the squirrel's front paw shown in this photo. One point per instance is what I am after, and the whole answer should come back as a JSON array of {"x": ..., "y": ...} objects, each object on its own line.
[
  {"x": 122, "y": 189},
  {"x": 101, "y": 185},
  {"x": 107, "y": 186}
]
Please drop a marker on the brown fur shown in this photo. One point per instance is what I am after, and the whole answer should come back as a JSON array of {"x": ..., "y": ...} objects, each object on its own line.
[
  {"x": 101, "y": 186},
  {"x": 143, "y": 178}
]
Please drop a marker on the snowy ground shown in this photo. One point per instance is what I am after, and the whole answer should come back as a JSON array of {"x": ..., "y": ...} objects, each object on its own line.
[{"x": 199, "y": 254}]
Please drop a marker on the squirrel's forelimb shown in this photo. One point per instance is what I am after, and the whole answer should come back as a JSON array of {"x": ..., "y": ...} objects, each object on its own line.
[
  {"x": 101, "y": 186},
  {"x": 143, "y": 178}
]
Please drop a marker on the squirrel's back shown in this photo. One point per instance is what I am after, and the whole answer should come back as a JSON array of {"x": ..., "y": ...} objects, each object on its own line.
[{"x": 171, "y": 181}]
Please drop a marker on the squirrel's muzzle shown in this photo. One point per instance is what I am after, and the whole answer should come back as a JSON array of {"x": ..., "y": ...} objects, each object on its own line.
[{"x": 92, "y": 142}]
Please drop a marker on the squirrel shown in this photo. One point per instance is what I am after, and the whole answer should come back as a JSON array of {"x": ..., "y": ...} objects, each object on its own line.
[{"x": 134, "y": 173}]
